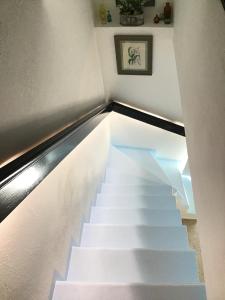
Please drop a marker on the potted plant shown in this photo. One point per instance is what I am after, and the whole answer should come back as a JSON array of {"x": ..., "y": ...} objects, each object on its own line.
[{"x": 131, "y": 12}]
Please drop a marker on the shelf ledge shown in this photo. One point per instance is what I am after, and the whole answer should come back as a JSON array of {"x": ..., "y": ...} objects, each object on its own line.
[{"x": 147, "y": 24}]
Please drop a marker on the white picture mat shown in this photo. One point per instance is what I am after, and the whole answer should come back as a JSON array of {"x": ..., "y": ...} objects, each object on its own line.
[{"x": 141, "y": 52}]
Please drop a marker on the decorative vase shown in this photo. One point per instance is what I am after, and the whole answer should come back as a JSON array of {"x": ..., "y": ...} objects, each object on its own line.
[{"x": 131, "y": 20}]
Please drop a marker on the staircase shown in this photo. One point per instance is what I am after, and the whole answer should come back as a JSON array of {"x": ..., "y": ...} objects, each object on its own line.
[{"x": 135, "y": 246}]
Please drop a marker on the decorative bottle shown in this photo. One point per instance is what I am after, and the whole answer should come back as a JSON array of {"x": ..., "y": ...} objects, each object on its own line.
[
  {"x": 102, "y": 13},
  {"x": 167, "y": 13},
  {"x": 109, "y": 17}
]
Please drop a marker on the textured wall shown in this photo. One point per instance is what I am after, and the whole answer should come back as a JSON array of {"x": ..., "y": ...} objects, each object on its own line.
[
  {"x": 35, "y": 239},
  {"x": 200, "y": 53},
  {"x": 132, "y": 133},
  {"x": 48, "y": 58}
]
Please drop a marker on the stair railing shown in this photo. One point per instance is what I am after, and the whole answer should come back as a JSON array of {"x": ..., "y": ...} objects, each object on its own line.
[{"x": 20, "y": 177}]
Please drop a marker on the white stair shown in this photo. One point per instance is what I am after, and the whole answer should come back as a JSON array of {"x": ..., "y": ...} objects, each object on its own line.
[
  {"x": 132, "y": 202},
  {"x": 132, "y": 265},
  {"x": 149, "y": 217},
  {"x": 128, "y": 237},
  {"x": 135, "y": 246},
  {"x": 139, "y": 189},
  {"x": 101, "y": 291},
  {"x": 136, "y": 189}
]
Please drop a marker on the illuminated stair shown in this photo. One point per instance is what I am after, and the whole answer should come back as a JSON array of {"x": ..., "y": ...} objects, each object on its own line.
[
  {"x": 135, "y": 246},
  {"x": 136, "y": 236},
  {"x": 103, "y": 291}
]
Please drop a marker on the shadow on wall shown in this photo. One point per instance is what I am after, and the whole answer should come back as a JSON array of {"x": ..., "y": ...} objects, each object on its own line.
[
  {"x": 45, "y": 71},
  {"x": 18, "y": 138}
]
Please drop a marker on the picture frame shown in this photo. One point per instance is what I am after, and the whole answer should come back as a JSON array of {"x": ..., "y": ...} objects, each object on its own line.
[
  {"x": 223, "y": 3},
  {"x": 134, "y": 54}
]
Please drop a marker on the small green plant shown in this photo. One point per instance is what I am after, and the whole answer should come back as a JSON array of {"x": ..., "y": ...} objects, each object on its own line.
[{"x": 131, "y": 7}]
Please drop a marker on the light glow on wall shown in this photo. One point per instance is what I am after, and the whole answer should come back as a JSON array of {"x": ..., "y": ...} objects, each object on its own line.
[{"x": 27, "y": 178}]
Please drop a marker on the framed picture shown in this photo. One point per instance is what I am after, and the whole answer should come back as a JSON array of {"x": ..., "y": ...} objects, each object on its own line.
[
  {"x": 134, "y": 54},
  {"x": 223, "y": 2}
]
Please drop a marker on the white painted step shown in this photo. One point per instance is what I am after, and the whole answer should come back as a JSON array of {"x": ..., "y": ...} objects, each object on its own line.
[
  {"x": 114, "y": 176},
  {"x": 129, "y": 266},
  {"x": 138, "y": 189},
  {"x": 126, "y": 237},
  {"x": 154, "y": 202},
  {"x": 150, "y": 217},
  {"x": 85, "y": 291}
]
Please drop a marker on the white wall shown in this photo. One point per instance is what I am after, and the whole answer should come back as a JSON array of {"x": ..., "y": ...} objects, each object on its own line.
[
  {"x": 158, "y": 93},
  {"x": 200, "y": 54},
  {"x": 35, "y": 239},
  {"x": 48, "y": 57},
  {"x": 128, "y": 132}
]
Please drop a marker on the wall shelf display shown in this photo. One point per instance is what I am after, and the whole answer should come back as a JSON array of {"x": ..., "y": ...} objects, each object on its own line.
[
  {"x": 147, "y": 23},
  {"x": 151, "y": 9},
  {"x": 147, "y": 3}
]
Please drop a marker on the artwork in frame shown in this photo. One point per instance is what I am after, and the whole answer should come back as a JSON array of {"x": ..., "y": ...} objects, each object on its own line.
[
  {"x": 134, "y": 54},
  {"x": 223, "y": 2}
]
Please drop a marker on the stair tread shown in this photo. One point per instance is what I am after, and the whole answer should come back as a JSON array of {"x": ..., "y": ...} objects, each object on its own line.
[{"x": 132, "y": 265}]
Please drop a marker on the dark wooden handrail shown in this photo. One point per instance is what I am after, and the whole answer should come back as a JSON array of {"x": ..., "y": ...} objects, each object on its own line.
[
  {"x": 42, "y": 159},
  {"x": 147, "y": 118}
]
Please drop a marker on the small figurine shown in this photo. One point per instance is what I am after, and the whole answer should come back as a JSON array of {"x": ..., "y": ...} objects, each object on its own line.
[
  {"x": 109, "y": 17},
  {"x": 102, "y": 14},
  {"x": 156, "y": 19}
]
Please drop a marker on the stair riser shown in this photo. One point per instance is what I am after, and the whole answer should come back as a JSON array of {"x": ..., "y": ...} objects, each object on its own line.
[
  {"x": 105, "y": 197},
  {"x": 108, "y": 188},
  {"x": 123, "y": 179},
  {"x": 123, "y": 292},
  {"x": 135, "y": 217},
  {"x": 138, "y": 189},
  {"x": 127, "y": 237},
  {"x": 160, "y": 203},
  {"x": 125, "y": 266}
]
